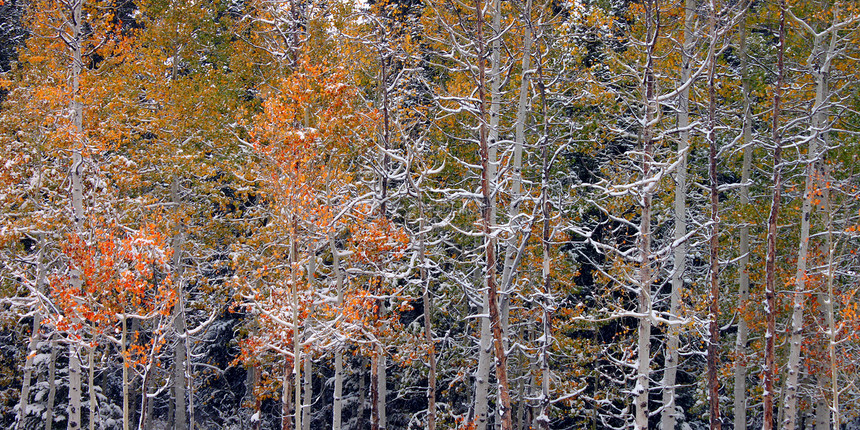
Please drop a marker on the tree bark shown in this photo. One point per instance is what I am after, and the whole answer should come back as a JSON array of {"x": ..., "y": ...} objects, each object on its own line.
[
  {"x": 668, "y": 416},
  {"x": 337, "y": 401},
  {"x": 52, "y": 388},
  {"x": 35, "y": 337},
  {"x": 772, "y": 231},
  {"x": 644, "y": 240},
  {"x": 487, "y": 214},
  {"x": 74, "y": 407},
  {"x": 740, "y": 371},
  {"x": 179, "y": 352},
  {"x": 714, "y": 242}
]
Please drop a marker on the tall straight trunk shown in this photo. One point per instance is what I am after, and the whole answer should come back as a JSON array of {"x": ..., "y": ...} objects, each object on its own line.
[
  {"x": 740, "y": 371},
  {"x": 337, "y": 401},
  {"x": 643, "y": 369},
  {"x": 548, "y": 305},
  {"x": 126, "y": 417},
  {"x": 823, "y": 53},
  {"x": 179, "y": 352},
  {"x": 516, "y": 191},
  {"x": 772, "y": 231},
  {"x": 52, "y": 388},
  {"x": 487, "y": 215},
  {"x": 714, "y": 243},
  {"x": 489, "y": 140},
  {"x": 670, "y": 409},
  {"x": 286, "y": 394},
  {"x": 74, "y": 407},
  {"x": 308, "y": 359},
  {"x": 374, "y": 392},
  {"x": 830, "y": 318},
  {"x": 428, "y": 309},
  {"x": 383, "y": 389},
  {"x": 297, "y": 347},
  {"x": 377, "y": 368},
  {"x": 308, "y": 393},
  {"x": 361, "y": 405},
  {"x": 495, "y": 79},
  {"x": 35, "y": 337},
  {"x": 91, "y": 370}
]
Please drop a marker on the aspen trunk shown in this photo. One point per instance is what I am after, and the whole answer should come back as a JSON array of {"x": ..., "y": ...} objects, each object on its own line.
[
  {"x": 35, "y": 337},
  {"x": 428, "y": 322},
  {"x": 668, "y": 416},
  {"x": 308, "y": 394},
  {"x": 643, "y": 370},
  {"x": 74, "y": 407},
  {"x": 297, "y": 350},
  {"x": 714, "y": 272},
  {"x": 286, "y": 413},
  {"x": 489, "y": 138},
  {"x": 179, "y": 352},
  {"x": 337, "y": 401},
  {"x": 487, "y": 221},
  {"x": 125, "y": 364},
  {"x": 770, "y": 263},
  {"x": 382, "y": 385},
  {"x": 52, "y": 388},
  {"x": 91, "y": 370},
  {"x": 740, "y": 371}
]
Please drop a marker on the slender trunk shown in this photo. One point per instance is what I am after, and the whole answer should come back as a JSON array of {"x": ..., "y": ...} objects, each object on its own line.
[
  {"x": 35, "y": 337},
  {"x": 487, "y": 188},
  {"x": 74, "y": 407},
  {"x": 670, "y": 410},
  {"x": 374, "y": 392},
  {"x": 428, "y": 322},
  {"x": 308, "y": 393},
  {"x": 517, "y": 165},
  {"x": 830, "y": 318},
  {"x": 297, "y": 350},
  {"x": 770, "y": 262},
  {"x": 91, "y": 370},
  {"x": 179, "y": 352},
  {"x": 548, "y": 306},
  {"x": 644, "y": 240},
  {"x": 308, "y": 360},
  {"x": 495, "y": 80},
  {"x": 337, "y": 401},
  {"x": 362, "y": 395},
  {"x": 286, "y": 414},
  {"x": 125, "y": 365},
  {"x": 713, "y": 325},
  {"x": 52, "y": 388},
  {"x": 383, "y": 389},
  {"x": 740, "y": 371}
]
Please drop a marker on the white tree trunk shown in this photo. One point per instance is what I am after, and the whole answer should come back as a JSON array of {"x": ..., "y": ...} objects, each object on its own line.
[
  {"x": 74, "y": 407},
  {"x": 179, "y": 353},
  {"x": 35, "y": 337},
  {"x": 643, "y": 367},
  {"x": 297, "y": 349},
  {"x": 769, "y": 370},
  {"x": 482, "y": 376},
  {"x": 668, "y": 416},
  {"x": 308, "y": 393},
  {"x": 819, "y": 123},
  {"x": 125, "y": 400},
  {"x": 740, "y": 371},
  {"x": 337, "y": 401}
]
